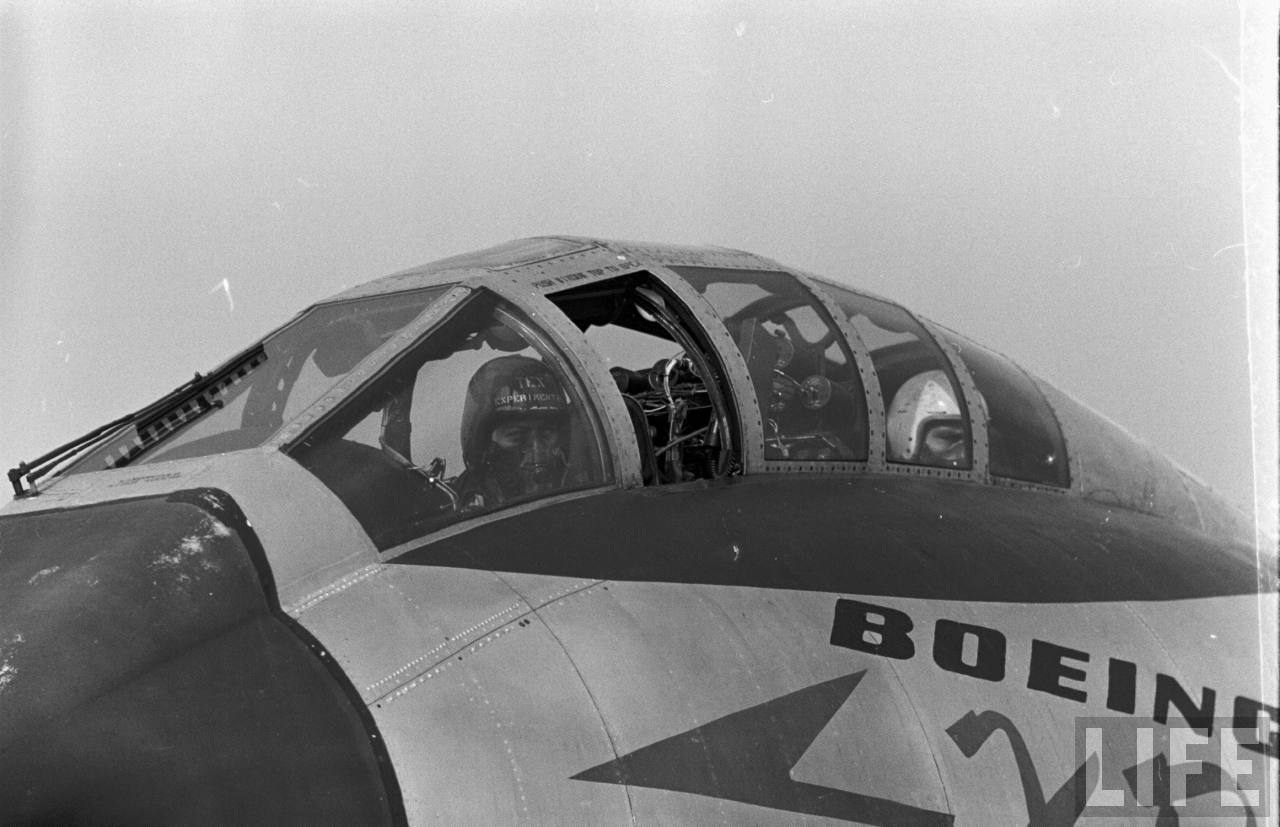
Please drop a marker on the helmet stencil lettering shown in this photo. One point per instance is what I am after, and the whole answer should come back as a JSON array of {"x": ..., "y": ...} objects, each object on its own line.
[{"x": 515, "y": 429}]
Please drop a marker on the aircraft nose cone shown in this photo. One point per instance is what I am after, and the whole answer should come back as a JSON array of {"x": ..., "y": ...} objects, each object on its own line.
[
  {"x": 90, "y": 596},
  {"x": 146, "y": 676}
]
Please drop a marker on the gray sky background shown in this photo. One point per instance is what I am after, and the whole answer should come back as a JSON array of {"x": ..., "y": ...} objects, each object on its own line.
[{"x": 1060, "y": 181}]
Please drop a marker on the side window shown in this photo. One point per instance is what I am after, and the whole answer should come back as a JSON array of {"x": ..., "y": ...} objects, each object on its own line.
[
  {"x": 927, "y": 423},
  {"x": 1025, "y": 440},
  {"x": 479, "y": 415},
  {"x": 670, "y": 380},
  {"x": 811, "y": 398}
]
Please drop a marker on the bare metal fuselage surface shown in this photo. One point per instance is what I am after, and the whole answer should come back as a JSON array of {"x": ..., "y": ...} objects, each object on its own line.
[{"x": 781, "y": 639}]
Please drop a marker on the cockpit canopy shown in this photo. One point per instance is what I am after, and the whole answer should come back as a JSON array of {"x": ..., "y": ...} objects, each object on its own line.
[{"x": 671, "y": 365}]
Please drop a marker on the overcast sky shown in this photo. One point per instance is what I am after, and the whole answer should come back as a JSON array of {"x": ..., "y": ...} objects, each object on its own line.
[{"x": 1060, "y": 181}]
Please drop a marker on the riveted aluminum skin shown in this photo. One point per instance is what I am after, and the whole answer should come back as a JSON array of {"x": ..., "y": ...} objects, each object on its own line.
[
  {"x": 876, "y": 433},
  {"x": 741, "y": 389},
  {"x": 978, "y": 418},
  {"x": 219, "y": 635}
]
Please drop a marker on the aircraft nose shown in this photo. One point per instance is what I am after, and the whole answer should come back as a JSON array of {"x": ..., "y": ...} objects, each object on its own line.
[
  {"x": 96, "y": 594},
  {"x": 143, "y": 662}
]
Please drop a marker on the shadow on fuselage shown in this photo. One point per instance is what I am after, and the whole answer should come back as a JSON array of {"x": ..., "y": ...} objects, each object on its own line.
[{"x": 871, "y": 535}]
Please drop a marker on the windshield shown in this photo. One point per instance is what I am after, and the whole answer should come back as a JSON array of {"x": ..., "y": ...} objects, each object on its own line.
[
  {"x": 479, "y": 415},
  {"x": 242, "y": 403}
]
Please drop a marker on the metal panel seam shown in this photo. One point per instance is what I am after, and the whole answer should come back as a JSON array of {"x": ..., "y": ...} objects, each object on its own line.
[
  {"x": 340, "y": 585},
  {"x": 436, "y": 667},
  {"x": 604, "y": 724},
  {"x": 974, "y": 401},
  {"x": 452, "y": 640}
]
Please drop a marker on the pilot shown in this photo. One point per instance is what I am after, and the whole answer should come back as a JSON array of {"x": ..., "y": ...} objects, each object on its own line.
[
  {"x": 515, "y": 433},
  {"x": 925, "y": 423}
]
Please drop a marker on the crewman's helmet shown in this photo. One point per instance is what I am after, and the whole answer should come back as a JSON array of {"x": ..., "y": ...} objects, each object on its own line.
[
  {"x": 515, "y": 423},
  {"x": 925, "y": 423}
]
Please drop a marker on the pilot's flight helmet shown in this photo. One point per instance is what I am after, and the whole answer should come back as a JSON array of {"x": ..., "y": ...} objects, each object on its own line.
[
  {"x": 508, "y": 387},
  {"x": 925, "y": 405}
]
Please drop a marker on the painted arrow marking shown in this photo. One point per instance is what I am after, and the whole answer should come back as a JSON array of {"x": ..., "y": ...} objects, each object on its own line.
[{"x": 747, "y": 756}]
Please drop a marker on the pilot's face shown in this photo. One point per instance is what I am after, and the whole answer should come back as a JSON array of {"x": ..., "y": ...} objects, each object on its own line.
[
  {"x": 943, "y": 443},
  {"x": 533, "y": 459},
  {"x": 533, "y": 436}
]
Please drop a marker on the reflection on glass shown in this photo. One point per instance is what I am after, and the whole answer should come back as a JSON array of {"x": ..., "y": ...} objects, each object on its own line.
[
  {"x": 252, "y": 396},
  {"x": 926, "y": 421},
  {"x": 478, "y": 416},
  {"x": 1026, "y": 442},
  {"x": 811, "y": 398}
]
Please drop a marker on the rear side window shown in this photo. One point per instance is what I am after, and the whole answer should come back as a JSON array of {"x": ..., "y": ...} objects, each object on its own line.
[
  {"x": 480, "y": 415},
  {"x": 926, "y": 421},
  {"x": 1025, "y": 440},
  {"x": 811, "y": 398}
]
